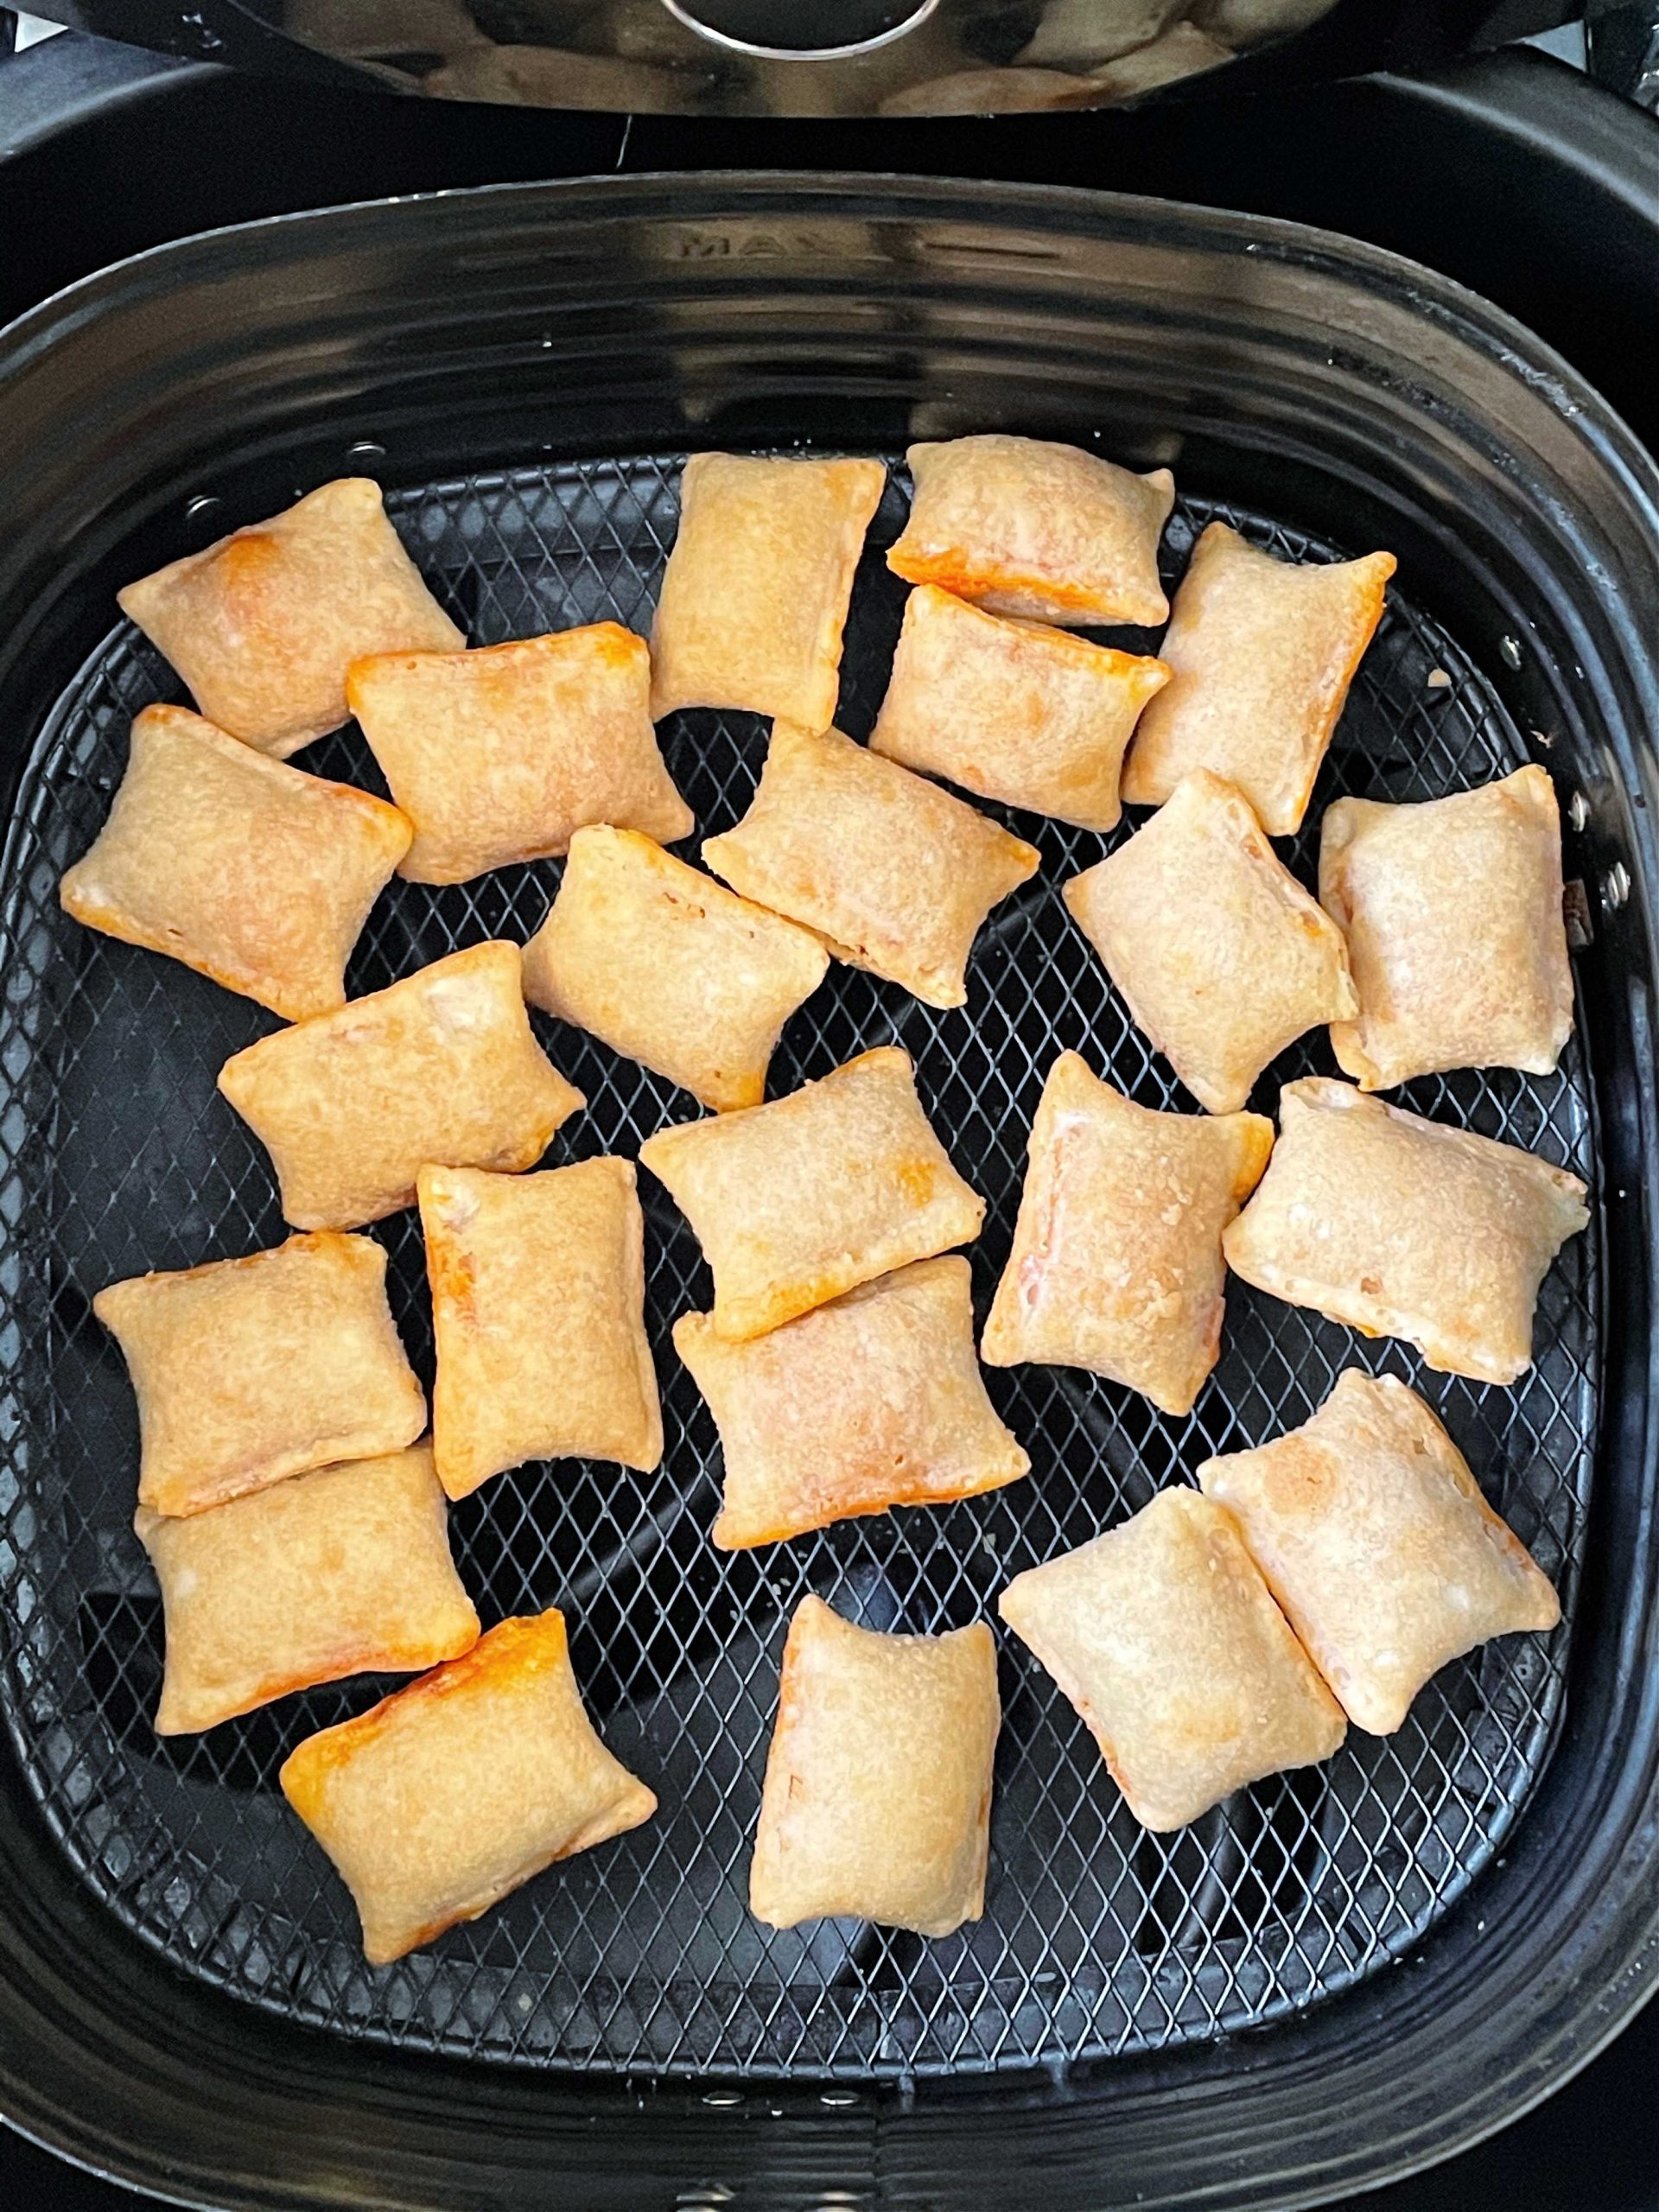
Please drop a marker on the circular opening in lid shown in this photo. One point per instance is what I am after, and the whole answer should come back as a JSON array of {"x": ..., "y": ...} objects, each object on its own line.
[{"x": 802, "y": 30}]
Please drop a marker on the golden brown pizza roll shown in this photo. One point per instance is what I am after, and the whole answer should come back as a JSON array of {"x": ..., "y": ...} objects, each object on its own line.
[
  {"x": 894, "y": 875},
  {"x": 500, "y": 754},
  {"x": 877, "y": 1800},
  {"x": 874, "y": 1401},
  {"x": 1024, "y": 526},
  {"x": 1077, "y": 34},
  {"x": 1453, "y": 914},
  {"x": 248, "y": 1371},
  {"x": 1374, "y": 1538},
  {"x": 538, "y": 1291},
  {"x": 1263, "y": 651},
  {"x": 755, "y": 596},
  {"x": 1405, "y": 1228},
  {"x": 1222, "y": 957},
  {"x": 1116, "y": 1264},
  {"x": 343, "y": 1571},
  {"x": 1017, "y": 712},
  {"x": 666, "y": 965},
  {"x": 246, "y": 871},
  {"x": 1166, "y": 1639},
  {"x": 263, "y": 626},
  {"x": 446, "y": 1797},
  {"x": 796, "y": 1201},
  {"x": 441, "y": 1067}
]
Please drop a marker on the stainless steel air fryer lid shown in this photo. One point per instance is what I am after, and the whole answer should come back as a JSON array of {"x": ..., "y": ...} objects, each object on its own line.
[
  {"x": 483, "y": 344},
  {"x": 897, "y": 58}
]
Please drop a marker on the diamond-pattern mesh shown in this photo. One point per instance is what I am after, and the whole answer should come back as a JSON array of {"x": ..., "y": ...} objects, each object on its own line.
[{"x": 117, "y": 1153}]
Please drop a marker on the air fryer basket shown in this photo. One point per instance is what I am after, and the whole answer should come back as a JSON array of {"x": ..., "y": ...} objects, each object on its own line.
[
  {"x": 521, "y": 362},
  {"x": 1097, "y": 1939}
]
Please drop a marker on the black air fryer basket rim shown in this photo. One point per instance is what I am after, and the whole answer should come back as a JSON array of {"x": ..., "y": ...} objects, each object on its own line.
[{"x": 105, "y": 391}]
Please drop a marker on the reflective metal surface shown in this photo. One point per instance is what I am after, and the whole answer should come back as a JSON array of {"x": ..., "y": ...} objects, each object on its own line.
[
  {"x": 842, "y": 58},
  {"x": 793, "y": 57}
]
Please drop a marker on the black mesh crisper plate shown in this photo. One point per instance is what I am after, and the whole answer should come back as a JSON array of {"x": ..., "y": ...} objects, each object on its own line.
[{"x": 117, "y": 1155}]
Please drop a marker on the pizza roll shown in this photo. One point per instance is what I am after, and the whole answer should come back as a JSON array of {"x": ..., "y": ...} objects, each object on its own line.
[
  {"x": 664, "y": 965},
  {"x": 1166, "y": 1639},
  {"x": 263, "y": 626},
  {"x": 796, "y": 1201},
  {"x": 538, "y": 1291},
  {"x": 343, "y": 1571},
  {"x": 446, "y": 1797},
  {"x": 874, "y": 1401},
  {"x": 1074, "y": 34},
  {"x": 1017, "y": 712},
  {"x": 1405, "y": 1228},
  {"x": 246, "y": 871},
  {"x": 894, "y": 875},
  {"x": 499, "y": 755},
  {"x": 877, "y": 1800},
  {"x": 754, "y": 597},
  {"x": 1263, "y": 652},
  {"x": 1116, "y": 1264},
  {"x": 1453, "y": 914},
  {"x": 1023, "y": 526},
  {"x": 1374, "y": 1538},
  {"x": 441, "y": 1067},
  {"x": 248, "y": 1370},
  {"x": 1222, "y": 957}
]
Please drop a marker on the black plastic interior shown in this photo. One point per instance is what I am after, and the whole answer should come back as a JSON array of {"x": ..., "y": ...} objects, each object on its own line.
[
  {"x": 1375, "y": 405},
  {"x": 1513, "y": 175}
]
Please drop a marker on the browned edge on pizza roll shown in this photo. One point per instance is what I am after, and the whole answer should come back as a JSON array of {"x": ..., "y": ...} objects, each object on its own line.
[
  {"x": 263, "y": 625},
  {"x": 1025, "y": 526},
  {"x": 449, "y": 1794}
]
